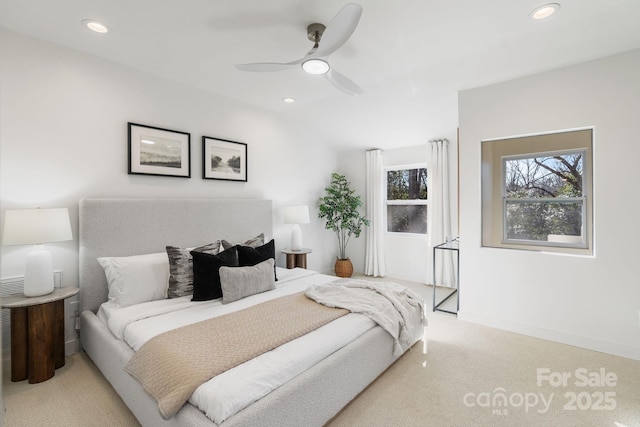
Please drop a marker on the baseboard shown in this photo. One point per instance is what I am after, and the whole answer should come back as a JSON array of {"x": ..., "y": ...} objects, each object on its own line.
[
  {"x": 71, "y": 347},
  {"x": 561, "y": 337},
  {"x": 407, "y": 278}
]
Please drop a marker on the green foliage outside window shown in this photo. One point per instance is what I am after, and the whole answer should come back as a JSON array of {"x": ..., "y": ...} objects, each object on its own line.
[
  {"x": 543, "y": 196},
  {"x": 407, "y": 184}
]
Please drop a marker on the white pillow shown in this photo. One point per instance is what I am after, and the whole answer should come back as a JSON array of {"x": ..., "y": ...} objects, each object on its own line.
[{"x": 136, "y": 279}]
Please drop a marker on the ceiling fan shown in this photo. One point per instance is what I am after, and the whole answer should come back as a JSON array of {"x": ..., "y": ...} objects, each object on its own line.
[{"x": 326, "y": 41}]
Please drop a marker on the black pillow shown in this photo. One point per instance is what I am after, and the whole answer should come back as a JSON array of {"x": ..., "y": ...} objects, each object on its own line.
[
  {"x": 248, "y": 256},
  {"x": 206, "y": 273}
]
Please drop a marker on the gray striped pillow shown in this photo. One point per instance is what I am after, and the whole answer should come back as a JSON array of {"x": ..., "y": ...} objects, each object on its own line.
[
  {"x": 181, "y": 268},
  {"x": 253, "y": 242}
]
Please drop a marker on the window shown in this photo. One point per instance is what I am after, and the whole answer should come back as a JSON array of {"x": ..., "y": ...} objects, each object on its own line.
[
  {"x": 544, "y": 199},
  {"x": 536, "y": 192},
  {"x": 407, "y": 200}
]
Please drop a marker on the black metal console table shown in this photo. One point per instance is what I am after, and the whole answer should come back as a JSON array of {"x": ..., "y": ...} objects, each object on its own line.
[{"x": 447, "y": 246}]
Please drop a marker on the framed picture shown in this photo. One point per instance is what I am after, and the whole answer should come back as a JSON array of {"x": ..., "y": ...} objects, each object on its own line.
[
  {"x": 157, "y": 151},
  {"x": 222, "y": 159}
]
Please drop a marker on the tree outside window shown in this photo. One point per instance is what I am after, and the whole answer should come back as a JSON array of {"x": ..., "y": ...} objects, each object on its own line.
[
  {"x": 407, "y": 197},
  {"x": 544, "y": 198}
]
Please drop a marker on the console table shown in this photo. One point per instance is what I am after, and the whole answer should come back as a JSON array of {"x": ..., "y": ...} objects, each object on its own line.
[
  {"x": 37, "y": 334},
  {"x": 447, "y": 246}
]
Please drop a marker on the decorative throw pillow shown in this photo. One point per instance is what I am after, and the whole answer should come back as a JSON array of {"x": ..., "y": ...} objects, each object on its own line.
[
  {"x": 206, "y": 273},
  {"x": 256, "y": 241},
  {"x": 248, "y": 256},
  {"x": 181, "y": 268},
  {"x": 240, "y": 282},
  {"x": 136, "y": 279}
]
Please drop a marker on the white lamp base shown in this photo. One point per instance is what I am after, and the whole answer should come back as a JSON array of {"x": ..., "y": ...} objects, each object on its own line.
[
  {"x": 296, "y": 238},
  {"x": 38, "y": 275}
]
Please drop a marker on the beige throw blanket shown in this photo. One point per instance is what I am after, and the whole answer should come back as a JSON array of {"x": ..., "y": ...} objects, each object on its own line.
[
  {"x": 172, "y": 365},
  {"x": 388, "y": 304}
]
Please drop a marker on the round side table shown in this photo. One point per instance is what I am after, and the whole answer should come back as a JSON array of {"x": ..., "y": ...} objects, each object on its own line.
[
  {"x": 297, "y": 258},
  {"x": 37, "y": 334}
]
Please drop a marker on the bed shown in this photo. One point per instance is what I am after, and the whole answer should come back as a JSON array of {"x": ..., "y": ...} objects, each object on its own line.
[{"x": 129, "y": 227}]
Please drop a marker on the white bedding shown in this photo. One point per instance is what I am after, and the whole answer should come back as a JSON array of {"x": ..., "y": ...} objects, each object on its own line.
[{"x": 235, "y": 389}]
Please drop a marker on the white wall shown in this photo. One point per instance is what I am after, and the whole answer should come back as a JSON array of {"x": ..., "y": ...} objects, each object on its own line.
[
  {"x": 63, "y": 137},
  {"x": 592, "y": 302}
]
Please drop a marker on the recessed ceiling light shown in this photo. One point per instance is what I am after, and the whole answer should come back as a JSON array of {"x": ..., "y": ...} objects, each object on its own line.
[
  {"x": 315, "y": 66},
  {"x": 544, "y": 11},
  {"x": 289, "y": 100},
  {"x": 95, "y": 26}
]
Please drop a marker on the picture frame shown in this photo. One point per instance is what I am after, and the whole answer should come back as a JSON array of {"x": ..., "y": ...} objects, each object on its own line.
[
  {"x": 223, "y": 159},
  {"x": 157, "y": 151}
]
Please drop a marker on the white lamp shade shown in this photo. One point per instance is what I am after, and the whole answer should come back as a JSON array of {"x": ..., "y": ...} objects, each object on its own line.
[
  {"x": 36, "y": 226},
  {"x": 296, "y": 214}
]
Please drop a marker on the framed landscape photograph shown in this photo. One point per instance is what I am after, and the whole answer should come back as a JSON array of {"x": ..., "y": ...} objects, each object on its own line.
[
  {"x": 222, "y": 159},
  {"x": 157, "y": 151}
]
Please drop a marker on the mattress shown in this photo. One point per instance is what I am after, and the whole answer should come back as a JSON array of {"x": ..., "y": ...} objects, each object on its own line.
[{"x": 230, "y": 392}]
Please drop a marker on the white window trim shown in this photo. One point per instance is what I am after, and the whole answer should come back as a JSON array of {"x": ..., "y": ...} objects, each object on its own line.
[{"x": 583, "y": 200}]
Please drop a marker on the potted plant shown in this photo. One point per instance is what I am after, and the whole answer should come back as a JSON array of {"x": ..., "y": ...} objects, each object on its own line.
[{"x": 340, "y": 210}]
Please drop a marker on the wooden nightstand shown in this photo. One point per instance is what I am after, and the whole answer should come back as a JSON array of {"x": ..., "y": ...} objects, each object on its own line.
[
  {"x": 37, "y": 334},
  {"x": 297, "y": 258}
]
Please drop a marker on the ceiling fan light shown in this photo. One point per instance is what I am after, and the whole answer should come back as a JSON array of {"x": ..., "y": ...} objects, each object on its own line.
[{"x": 316, "y": 66}]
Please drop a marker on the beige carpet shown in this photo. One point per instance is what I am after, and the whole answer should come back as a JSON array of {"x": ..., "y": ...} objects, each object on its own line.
[
  {"x": 78, "y": 395},
  {"x": 457, "y": 382},
  {"x": 482, "y": 363}
]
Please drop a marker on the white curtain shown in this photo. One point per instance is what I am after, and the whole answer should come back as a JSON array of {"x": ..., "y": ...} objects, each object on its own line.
[
  {"x": 439, "y": 214},
  {"x": 374, "y": 254}
]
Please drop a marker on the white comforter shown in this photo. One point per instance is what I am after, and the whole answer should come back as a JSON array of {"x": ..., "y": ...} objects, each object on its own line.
[{"x": 235, "y": 389}]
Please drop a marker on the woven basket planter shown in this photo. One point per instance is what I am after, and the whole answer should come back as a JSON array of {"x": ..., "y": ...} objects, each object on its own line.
[{"x": 344, "y": 268}]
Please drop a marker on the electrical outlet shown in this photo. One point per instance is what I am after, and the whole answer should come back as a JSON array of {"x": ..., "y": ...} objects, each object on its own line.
[{"x": 57, "y": 279}]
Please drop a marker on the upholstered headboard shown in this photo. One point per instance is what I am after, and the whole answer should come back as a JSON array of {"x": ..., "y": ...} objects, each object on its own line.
[{"x": 124, "y": 227}]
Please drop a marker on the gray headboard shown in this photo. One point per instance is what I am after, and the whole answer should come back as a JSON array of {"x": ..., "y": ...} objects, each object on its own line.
[{"x": 123, "y": 227}]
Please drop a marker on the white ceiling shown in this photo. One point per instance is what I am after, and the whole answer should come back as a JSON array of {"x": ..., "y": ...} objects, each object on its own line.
[{"x": 410, "y": 56}]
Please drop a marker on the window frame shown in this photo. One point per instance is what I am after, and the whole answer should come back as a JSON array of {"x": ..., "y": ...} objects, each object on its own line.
[
  {"x": 545, "y": 200},
  {"x": 408, "y": 202},
  {"x": 492, "y": 184}
]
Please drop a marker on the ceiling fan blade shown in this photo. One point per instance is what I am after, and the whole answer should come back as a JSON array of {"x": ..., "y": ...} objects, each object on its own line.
[
  {"x": 269, "y": 66},
  {"x": 343, "y": 83},
  {"x": 339, "y": 29}
]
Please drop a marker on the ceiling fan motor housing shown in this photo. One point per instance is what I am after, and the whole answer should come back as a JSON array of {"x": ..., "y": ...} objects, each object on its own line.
[{"x": 314, "y": 32}]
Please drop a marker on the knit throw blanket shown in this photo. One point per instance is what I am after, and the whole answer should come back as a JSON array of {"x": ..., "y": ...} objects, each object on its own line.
[
  {"x": 172, "y": 365},
  {"x": 388, "y": 304}
]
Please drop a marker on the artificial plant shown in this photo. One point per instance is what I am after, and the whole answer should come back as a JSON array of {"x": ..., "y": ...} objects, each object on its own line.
[{"x": 339, "y": 207}]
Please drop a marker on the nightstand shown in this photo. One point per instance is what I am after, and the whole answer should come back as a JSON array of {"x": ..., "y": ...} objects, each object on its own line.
[
  {"x": 297, "y": 258},
  {"x": 37, "y": 334}
]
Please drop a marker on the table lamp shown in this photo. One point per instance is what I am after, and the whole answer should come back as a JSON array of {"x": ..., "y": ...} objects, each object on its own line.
[
  {"x": 36, "y": 227},
  {"x": 296, "y": 214}
]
